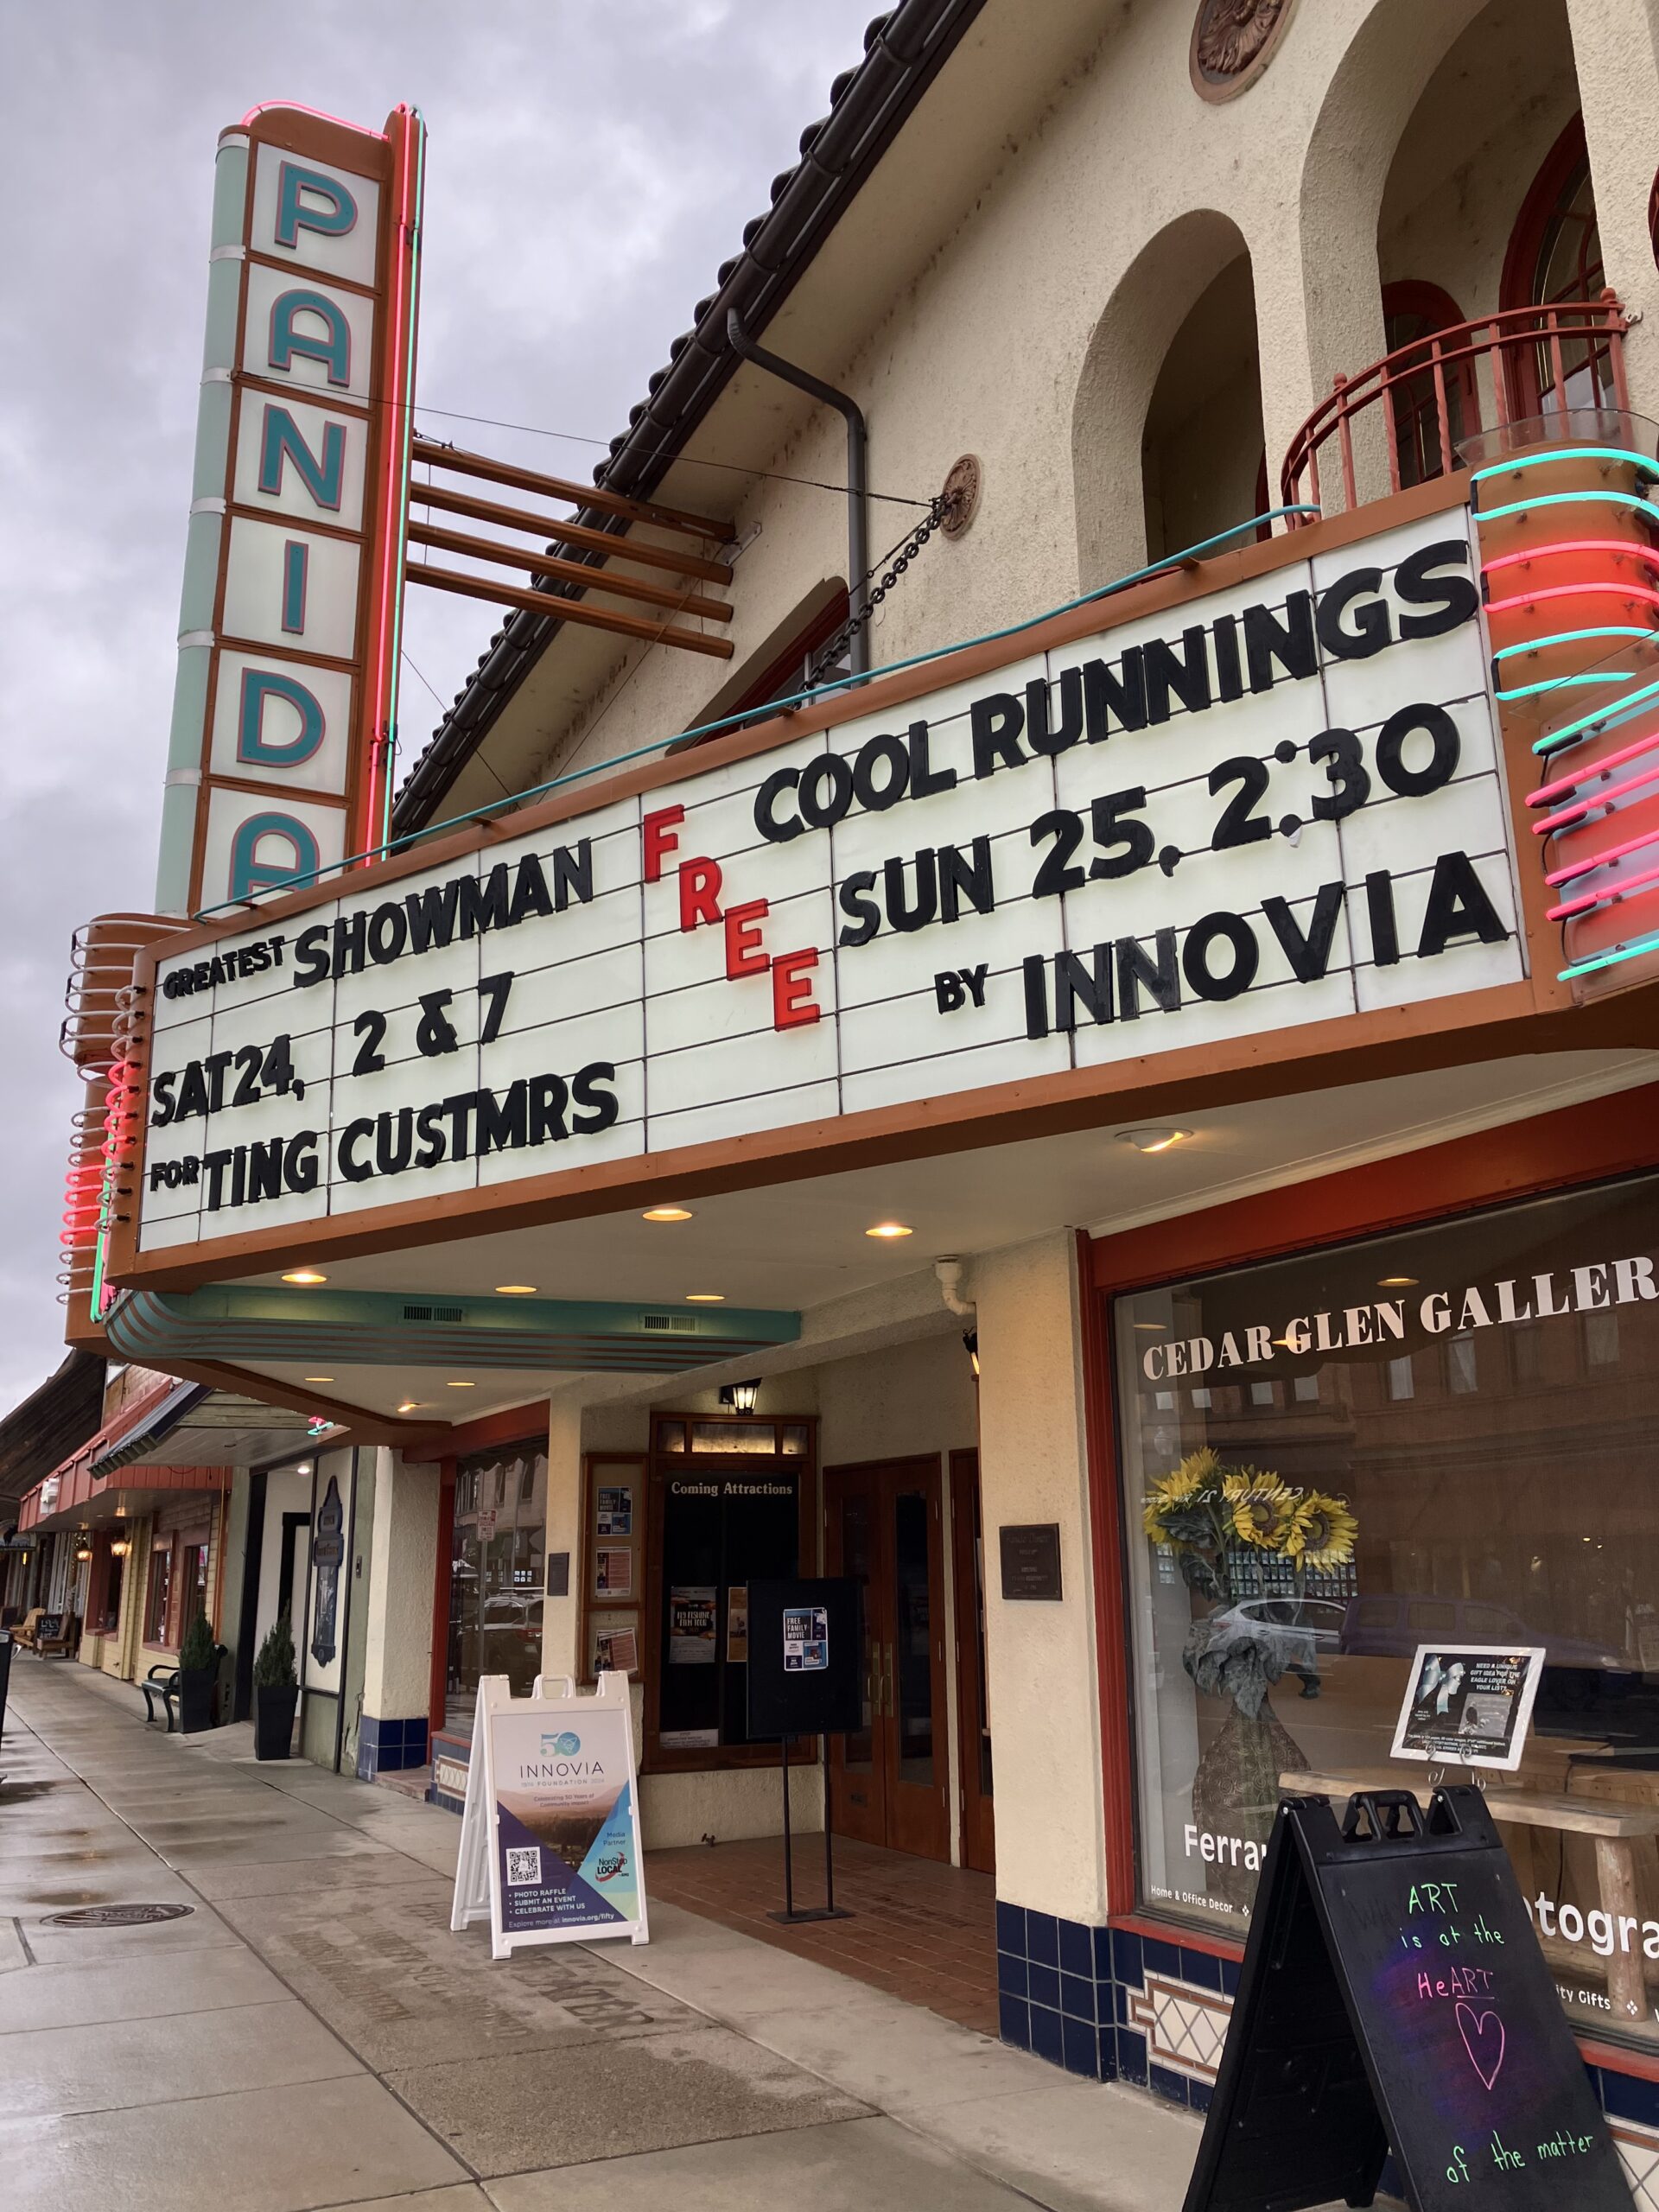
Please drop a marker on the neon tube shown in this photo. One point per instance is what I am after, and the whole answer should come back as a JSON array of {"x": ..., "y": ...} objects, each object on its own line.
[
  {"x": 1609, "y": 959},
  {"x": 1585, "y": 808},
  {"x": 1600, "y": 859},
  {"x": 1570, "y": 499},
  {"x": 1645, "y": 884},
  {"x": 1566, "y": 683},
  {"x": 1575, "y": 591},
  {"x": 1571, "y": 638},
  {"x": 1599, "y": 720},
  {"x": 1572, "y": 545},
  {"x": 1545, "y": 459},
  {"x": 1613, "y": 761}
]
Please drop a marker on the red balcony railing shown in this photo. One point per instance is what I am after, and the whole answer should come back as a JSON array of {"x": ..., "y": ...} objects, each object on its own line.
[{"x": 1430, "y": 395}]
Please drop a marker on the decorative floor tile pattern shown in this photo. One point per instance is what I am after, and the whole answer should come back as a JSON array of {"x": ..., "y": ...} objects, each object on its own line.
[
  {"x": 1184, "y": 2027},
  {"x": 918, "y": 1931}
]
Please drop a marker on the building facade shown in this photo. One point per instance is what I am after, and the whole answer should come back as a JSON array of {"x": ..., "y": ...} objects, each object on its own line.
[{"x": 1124, "y": 1122}]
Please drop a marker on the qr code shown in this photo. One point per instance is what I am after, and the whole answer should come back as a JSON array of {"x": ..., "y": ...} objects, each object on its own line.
[{"x": 523, "y": 1868}]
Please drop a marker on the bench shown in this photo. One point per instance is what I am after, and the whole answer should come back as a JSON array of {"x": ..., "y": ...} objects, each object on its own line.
[
  {"x": 45, "y": 1633},
  {"x": 162, "y": 1682}
]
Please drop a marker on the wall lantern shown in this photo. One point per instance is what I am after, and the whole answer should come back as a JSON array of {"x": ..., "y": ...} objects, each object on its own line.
[
  {"x": 83, "y": 1548},
  {"x": 970, "y": 1345},
  {"x": 741, "y": 1396},
  {"x": 120, "y": 1546}
]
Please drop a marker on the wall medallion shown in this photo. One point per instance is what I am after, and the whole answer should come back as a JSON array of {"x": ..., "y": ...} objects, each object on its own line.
[{"x": 1233, "y": 41}]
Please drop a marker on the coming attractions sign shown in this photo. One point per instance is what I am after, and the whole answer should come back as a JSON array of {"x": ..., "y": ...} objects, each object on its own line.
[{"x": 1276, "y": 805}]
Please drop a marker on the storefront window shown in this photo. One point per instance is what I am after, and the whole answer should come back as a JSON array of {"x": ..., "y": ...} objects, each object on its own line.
[
  {"x": 496, "y": 1574},
  {"x": 1464, "y": 1456}
]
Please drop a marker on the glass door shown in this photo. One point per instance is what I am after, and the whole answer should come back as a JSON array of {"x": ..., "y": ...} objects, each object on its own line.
[{"x": 890, "y": 1776}]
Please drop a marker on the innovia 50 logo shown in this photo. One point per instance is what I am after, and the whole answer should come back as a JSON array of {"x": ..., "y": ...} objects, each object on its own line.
[{"x": 563, "y": 1745}]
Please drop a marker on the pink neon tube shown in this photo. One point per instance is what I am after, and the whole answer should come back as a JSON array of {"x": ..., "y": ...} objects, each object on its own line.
[
  {"x": 1600, "y": 859},
  {"x": 1547, "y": 793},
  {"x": 1574, "y": 591},
  {"x": 1645, "y": 884},
  {"x": 1585, "y": 808},
  {"x": 1624, "y": 546}
]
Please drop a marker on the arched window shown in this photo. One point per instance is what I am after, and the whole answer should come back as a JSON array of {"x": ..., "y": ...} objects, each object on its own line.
[
  {"x": 1555, "y": 257},
  {"x": 1434, "y": 401}
]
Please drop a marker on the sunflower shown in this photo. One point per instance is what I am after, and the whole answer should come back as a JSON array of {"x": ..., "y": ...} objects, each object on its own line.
[
  {"x": 1264, "y": 1514},
  {"x": 1175, "y": 1491},
  {"x": 1322, "y": 1532}
]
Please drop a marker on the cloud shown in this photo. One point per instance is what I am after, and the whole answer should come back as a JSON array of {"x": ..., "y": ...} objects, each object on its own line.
[{"x": 589, "y": 169}]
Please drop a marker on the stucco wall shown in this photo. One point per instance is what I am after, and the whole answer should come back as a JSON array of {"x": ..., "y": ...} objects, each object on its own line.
[
  {"x": 1044, "y": 1682},
  {"x": 397, "y": 1658},
  {"x": 1036, "y": 329}
]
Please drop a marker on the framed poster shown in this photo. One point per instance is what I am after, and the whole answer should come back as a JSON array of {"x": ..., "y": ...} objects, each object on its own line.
[
  {"x": 611, "y": 1633},
  {"x": 1469, "y": 1706}
]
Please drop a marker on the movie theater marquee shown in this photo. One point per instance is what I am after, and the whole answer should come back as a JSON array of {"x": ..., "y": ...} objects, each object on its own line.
[{"x": 1276, "y": 805}]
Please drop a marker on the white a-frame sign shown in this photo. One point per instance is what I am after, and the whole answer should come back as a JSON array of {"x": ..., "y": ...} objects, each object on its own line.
[{"x": 549, "y": 1839}]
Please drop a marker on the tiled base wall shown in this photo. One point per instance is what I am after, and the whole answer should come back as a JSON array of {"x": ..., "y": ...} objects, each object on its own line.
[
  {"x": 388, "y": 1746},
  {"x": 1124, "y": 2007}
]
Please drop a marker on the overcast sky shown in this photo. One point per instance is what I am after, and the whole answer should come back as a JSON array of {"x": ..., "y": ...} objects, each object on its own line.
[{"x": 590, "y": 167}]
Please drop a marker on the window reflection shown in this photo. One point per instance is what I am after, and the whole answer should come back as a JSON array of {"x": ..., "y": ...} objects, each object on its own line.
[{"x": 1485, "y": 1438}]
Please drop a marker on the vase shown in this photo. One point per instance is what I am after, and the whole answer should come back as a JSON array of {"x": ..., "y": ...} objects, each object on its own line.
[{"x": 1236, "y": 1792}]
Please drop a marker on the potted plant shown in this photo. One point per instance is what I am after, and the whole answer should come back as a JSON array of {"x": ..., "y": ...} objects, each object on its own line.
[
  {"x": 198, "y": 1676},
  {"x": 276, "y": 1692},
  {"x": 1227, "y": 1526}
]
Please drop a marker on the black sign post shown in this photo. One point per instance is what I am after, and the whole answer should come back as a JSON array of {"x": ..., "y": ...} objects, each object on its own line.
[
  {"x": 1394, "y": 1997},
  {"x": 803, "y": 1681}
]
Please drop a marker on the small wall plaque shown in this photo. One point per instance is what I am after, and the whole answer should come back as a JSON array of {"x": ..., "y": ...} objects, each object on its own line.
[
  {"x": 558, "y": 1575},
  {"x": 1031, "y": 1560}
]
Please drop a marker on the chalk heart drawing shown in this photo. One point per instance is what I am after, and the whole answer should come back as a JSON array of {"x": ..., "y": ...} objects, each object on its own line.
[{"x": 1483, "y": 2038}]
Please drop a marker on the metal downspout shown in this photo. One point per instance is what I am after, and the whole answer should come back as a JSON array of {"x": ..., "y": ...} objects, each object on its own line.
[{"x": 858, "y": 540}]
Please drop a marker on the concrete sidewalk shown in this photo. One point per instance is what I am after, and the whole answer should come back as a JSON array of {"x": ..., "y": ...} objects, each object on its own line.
[{"x": 311, "y": 2033}]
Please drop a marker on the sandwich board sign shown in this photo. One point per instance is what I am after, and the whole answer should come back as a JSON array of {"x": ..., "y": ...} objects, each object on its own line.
[
  {"x": 549, "y": 1835},
  {"x": 1393, "y": 1997}
]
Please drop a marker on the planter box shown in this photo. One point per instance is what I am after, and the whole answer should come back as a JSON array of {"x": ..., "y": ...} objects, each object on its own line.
[
  {"x": 196, "y": 1685},
  {"x": 273, "y": 1719}
]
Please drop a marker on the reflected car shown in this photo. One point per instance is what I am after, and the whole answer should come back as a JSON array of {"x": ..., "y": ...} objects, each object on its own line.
[
  {"x": 1302, "y": 1630},
  {"x": 1393, "y": 1625}
]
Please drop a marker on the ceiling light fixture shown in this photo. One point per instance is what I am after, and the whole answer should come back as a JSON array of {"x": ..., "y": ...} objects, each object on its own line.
[
  {"x": 515, "y": 1290},
  {"x": 1160, "y": 1326},
  {"x": 705, "y": 1298},
  {"x": 410, "y": 1405},
  {"x": 1397, "y": 1282},
  {"x": 307, "y": 1277},
  {"x": 890, "y": 1228},
  {"x": 1151, "y": 1139},
  {"x": 463, "y": 1386},
  {"x": 319, "y": 1378},
  {"x": 741, "y": 1396},
  {"x": 666, "y": 1213}
]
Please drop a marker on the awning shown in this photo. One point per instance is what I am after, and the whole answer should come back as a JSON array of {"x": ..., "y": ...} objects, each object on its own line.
[
  {"x": 195, "y": 1425},
  {"x": 51, "y": 1424}
]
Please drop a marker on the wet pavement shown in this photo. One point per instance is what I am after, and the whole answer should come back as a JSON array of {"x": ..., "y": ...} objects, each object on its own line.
[{"x": 309, "y": 2033}]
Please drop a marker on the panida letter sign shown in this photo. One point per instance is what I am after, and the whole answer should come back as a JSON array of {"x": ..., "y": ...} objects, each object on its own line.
[
  {"x": 286, "y": 698},
  {"x": 1279, "y": 807}
]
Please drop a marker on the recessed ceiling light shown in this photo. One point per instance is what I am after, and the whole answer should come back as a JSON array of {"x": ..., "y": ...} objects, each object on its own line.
[
  {"x": 666, "y": 1213},
  {"x": 705, "y": 1298},
  {"x": 319, "y": 1378},
  {"x": 463, "y": 1386},
  {"x": 1151, "y": 1139},
  {"x": 410, "y": 1405},
  {"x": 1397, "y": 1282},
  {"x": 515, "y": 1290},
  {"x": 306, "y": 1275},
  {"x": 888, "y": 1229}
]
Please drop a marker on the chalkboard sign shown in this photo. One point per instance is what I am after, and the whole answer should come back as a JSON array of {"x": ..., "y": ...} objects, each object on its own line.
[
  {"x": 1393, "y": 1994},
  {"x": 803, "y": 1658}
]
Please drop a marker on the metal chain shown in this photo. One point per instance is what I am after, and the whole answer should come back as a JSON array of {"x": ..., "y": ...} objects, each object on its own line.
[{"x": 898, "y": 561}]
